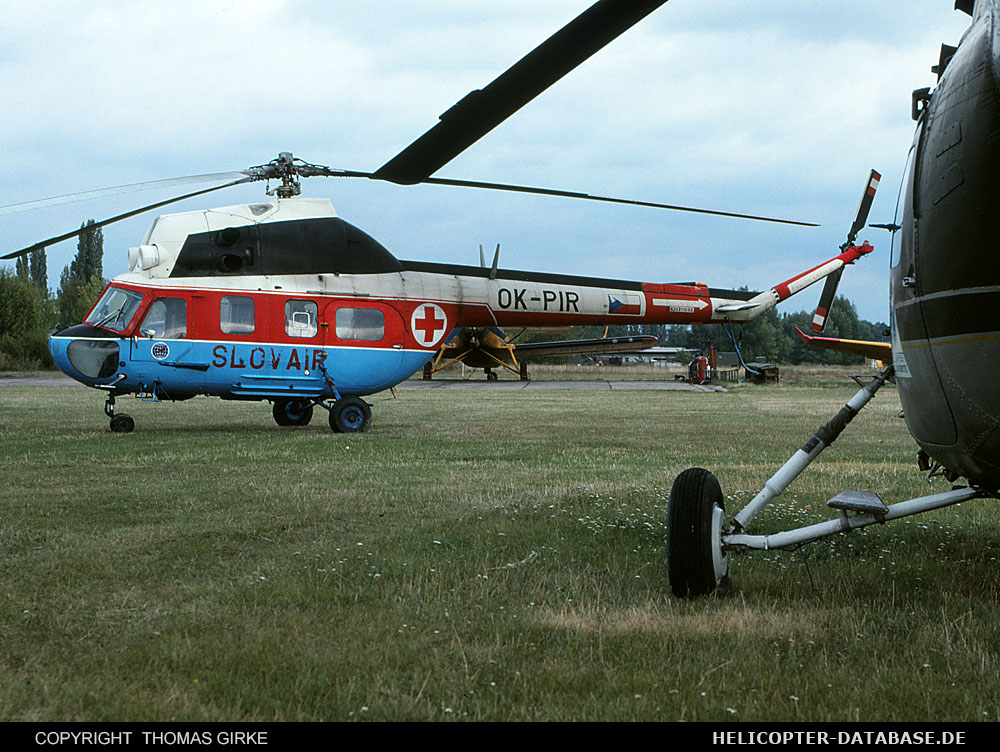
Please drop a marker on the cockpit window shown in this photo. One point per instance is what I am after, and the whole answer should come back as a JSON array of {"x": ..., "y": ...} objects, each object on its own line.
[
  {"x": 115, "y": 309},
  {"x": 166, "y": 319}
]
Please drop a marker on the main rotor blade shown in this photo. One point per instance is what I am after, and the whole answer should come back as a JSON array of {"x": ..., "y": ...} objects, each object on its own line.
[
  {"x": 331, "y": 172},
  {"x": 483, "y": 109},
  {"x": 118, "y": 190},
  {"x": 607, "y": 199},
  {"x": 126, "y": 215}
]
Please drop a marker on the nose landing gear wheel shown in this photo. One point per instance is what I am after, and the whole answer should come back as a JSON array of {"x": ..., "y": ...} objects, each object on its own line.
[
  {"x": 696, "y": 519},
  {"x": 122, "y": 423},
  {"x": 292, "y": 412},
  {"x": 350, "y": 414}
]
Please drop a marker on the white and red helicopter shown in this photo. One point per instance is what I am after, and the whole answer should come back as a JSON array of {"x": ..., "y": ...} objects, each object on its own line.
[{"x": 284, "y": 301}]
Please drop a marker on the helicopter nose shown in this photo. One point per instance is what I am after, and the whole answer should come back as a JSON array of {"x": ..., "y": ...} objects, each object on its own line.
[{"x": 84, "y": 354}]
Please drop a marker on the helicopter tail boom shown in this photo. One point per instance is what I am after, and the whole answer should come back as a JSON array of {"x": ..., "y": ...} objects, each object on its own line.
[{"x": 764, "y": 301}]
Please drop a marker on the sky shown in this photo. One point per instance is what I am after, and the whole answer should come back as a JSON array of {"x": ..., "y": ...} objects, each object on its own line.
[{"x": 775, "y": 107}]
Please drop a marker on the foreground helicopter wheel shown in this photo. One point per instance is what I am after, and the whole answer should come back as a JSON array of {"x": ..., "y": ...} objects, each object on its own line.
[
  {"x": 292, "y": 412},
  {"x": 350, "y": 414},
  {"x": 122, "y": 423},
  {"x": 696, "y": 518}
]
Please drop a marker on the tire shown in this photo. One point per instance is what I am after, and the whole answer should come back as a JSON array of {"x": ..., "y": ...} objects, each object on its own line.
[
  {"x": 122, "y": 423},
  {"x": 292, "y": 412},
  {"x": 350, "y": 415},
  {"x": 696, "y": 518}
]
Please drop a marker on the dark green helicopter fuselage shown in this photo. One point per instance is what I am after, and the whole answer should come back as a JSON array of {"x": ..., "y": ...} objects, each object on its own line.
[{"x": 946, "y": 261}]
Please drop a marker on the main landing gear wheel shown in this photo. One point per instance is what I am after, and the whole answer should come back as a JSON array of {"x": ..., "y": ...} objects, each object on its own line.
[
  {"x": 696, "y": 519},
  {"x": 292, "y": 412},
  {"x": 350, "y": 414},
  {"x": 122, "y": 423}
]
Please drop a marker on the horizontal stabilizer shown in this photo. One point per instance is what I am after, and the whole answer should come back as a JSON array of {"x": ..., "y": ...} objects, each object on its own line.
[{"x": 877, "y": 350}]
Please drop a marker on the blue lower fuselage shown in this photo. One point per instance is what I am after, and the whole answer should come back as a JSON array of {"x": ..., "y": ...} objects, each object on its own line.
[{"x": 252, "y": 370}]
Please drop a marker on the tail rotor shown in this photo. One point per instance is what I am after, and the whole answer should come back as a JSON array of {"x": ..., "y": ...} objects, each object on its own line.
[{"x": 860, "y": 218}]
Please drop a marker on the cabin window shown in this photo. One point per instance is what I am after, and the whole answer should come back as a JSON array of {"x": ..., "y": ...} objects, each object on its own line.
[
  {"x": 300, "y": 318},
  {"x": 236, "y": 314},
  {"x": 115, "y": 309},
  {"x": 165, "y": 319},
  {"x": 360, "y": 323}
]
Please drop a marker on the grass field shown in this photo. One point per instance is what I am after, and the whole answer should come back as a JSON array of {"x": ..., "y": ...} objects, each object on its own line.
[{"x": 476, "y": 555}]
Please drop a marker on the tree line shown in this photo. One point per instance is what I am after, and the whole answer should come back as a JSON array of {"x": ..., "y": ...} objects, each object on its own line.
[
  {"x": 770, "y": 336},
  {"x": 30, "y": 311}
]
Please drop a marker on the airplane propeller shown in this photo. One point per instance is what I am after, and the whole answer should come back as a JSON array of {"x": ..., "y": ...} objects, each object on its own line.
[
  {"x": 462, "y": 125},
  {"x": 830, "y": 288}
]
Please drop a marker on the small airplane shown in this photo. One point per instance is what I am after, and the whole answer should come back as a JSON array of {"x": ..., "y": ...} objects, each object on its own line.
[
  {"x": 491, "y": 348},
  {"x": 284, "y": 301},
  {"x": 945, "y": 336}
]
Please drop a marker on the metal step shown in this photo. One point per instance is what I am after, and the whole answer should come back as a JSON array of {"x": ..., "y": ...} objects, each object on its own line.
[{"x": 858, "y": 501}]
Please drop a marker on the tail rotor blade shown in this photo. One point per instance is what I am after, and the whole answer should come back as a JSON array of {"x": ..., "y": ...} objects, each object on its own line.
[
  {"x": 865, "y": 206},
  {"x": 826, "y": 300}
]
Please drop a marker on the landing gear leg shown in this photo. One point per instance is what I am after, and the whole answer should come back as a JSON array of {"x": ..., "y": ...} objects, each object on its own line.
[
  {"x": 698, "y": 537},
  {"x": 120, "y": 423},
  {"x": 347, "y": 414}
]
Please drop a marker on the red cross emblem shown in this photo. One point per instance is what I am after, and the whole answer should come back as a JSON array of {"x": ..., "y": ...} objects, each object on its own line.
[{"x": 428, "y": 324}]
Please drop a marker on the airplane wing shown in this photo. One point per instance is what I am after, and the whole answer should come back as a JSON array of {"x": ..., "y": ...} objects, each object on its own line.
[
  {"x": 877, "y": 350},
  {"x": 585, "y": 346}
]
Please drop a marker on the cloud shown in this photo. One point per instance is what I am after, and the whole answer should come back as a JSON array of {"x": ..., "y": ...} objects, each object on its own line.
[{"x": 776, "y": 107}]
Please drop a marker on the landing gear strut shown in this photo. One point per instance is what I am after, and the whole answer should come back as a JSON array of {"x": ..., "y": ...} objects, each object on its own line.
[
  {"x": 699, "y": 539},
  {"x": 347, "y": 414},
  {"x": 120, "y": 423}
]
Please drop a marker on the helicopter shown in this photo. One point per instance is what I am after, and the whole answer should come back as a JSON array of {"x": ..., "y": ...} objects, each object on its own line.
[
  {"x": 944, "y": 343},
  {"x": 281, "y": 300}
]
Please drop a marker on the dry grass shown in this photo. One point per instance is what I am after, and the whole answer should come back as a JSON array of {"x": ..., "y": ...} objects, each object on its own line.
[
  {"x": 212, "y": 566},
  {"x": 734, "y": 620}
]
